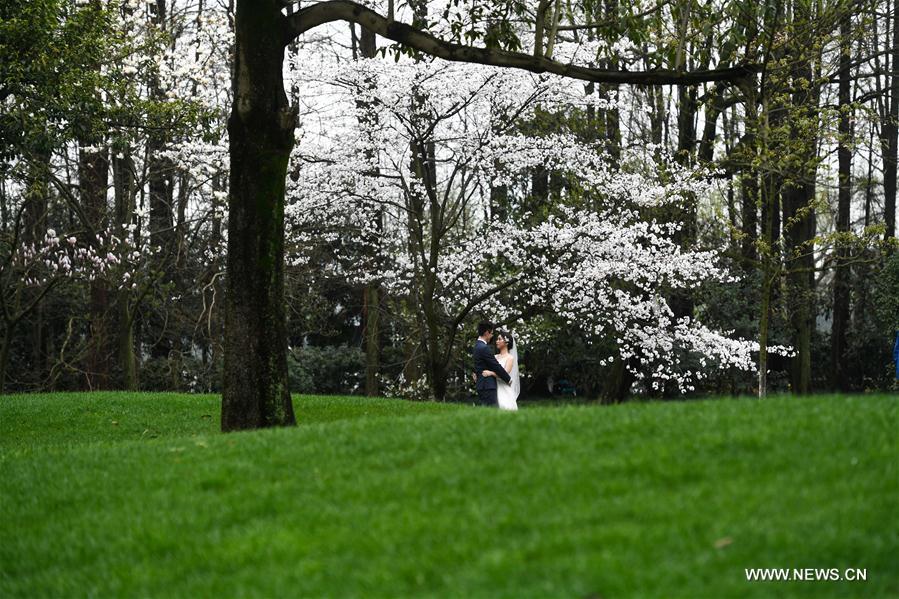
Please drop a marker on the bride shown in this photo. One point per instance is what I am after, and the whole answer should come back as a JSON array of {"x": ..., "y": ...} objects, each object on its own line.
[{"x": 507, "y": 393}]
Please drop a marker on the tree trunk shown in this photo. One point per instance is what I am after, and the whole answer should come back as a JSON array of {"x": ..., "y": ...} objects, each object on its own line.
[
  {"x": 799, "y": 264},
  {"x": 160, "y": 179},
  {"x": 372, "y": 339},
  {"x": 712, "y": 110},
  {"x": 372, "y": 293},
  {"x": 123, "y": 184},
  {"x": 618, "y": 382},
  {"x": 681, "y": 300},
  {"x": 255, "y": 389},
  {"x": 609, "y": 92},
  {"x": 764, "y": 321},
  {"x": 890, "y": 132},
  {"x": 35, "y": 227},
  {"x": 799, "y": 219},
  {"x": 767, "y": 256},
  {"x": 93, "y": 175},
  {"x": 841, "y": 272},
  {"x": 749, "y": 186},
  {"x": 8, "y": 331}
]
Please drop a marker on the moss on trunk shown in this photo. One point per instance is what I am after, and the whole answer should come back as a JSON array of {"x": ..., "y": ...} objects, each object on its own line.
[{"x": 255, "y": 388}]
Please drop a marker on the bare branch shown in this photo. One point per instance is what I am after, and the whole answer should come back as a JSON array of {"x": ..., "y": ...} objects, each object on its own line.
[{"x": 346, "y": 10}]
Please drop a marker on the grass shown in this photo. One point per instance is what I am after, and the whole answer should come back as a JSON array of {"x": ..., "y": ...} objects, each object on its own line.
[{"x": 112, "y": 495}]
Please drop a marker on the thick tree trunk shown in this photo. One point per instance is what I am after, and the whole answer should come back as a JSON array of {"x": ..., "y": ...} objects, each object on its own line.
[
  {"x": 844, "y": 198},
  {"x": 261, "y": 127}
]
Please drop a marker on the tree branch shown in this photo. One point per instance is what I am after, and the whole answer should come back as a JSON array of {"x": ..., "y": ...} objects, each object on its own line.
[{"x": 346, "y": 10}]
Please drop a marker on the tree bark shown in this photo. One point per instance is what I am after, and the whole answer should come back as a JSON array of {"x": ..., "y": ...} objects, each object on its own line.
[
  {"x": 749, "y": 186},
  {"x": 681, "y": 300},
  {"x": 123, "y": 184},
  {"x": 35, "y": 227},
  {"x": 841, "y": 272},
  {"x": 160, "y": 182},
  {"x": 890, "y": 132},
  {"x": 93, "y": 176},
  {"x": 261, "y": 127},
  {"x": 799, "y": 221},
  {"x": 372, "y": 293}
]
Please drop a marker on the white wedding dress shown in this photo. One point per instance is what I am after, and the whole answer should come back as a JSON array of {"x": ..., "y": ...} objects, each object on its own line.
[{"x": 507, "y": 393}]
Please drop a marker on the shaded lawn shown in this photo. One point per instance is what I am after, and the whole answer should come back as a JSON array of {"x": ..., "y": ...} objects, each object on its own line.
[
  {"x": 381, "y": 498},
  {"x": 35, "y": 420}
]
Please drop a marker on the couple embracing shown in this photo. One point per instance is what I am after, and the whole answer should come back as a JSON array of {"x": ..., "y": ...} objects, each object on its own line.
[{"x": 496, "y": 376}]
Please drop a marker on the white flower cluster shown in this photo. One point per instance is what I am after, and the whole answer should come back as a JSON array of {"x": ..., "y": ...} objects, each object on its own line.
[
  {"x": 604, "y": 266},
  {"x": 57, "y": 257}
]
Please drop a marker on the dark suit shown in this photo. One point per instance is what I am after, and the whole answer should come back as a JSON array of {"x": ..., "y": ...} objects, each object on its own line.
[{"x": 486, "y": 385}]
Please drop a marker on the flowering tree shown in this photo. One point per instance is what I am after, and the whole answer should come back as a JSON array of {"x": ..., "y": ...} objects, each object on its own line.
[
  {"x": 29, "y": 271},
  {"x": 597, "y": 261}
]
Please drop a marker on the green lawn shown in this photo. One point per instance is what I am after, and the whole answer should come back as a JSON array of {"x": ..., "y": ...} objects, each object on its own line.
[{"x": 115, "y": 495}]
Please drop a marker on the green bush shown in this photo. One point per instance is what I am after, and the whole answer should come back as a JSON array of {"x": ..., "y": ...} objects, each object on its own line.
[
  {"x": 886, "y": 295},
  {"x": 330, "y": 370}
]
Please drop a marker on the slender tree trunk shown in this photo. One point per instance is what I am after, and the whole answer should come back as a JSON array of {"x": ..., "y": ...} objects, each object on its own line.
[
  {"x": 767, "y": 255},
  {"x": 764, "y": 324},
  {"x": 713, "y": 110},
  {"x": 767, "y": 139},
  {"x": 841, "y": 273},
  {"x": 35, "y": 227},
  {"x": 255, "y": 392},
  {"x": 93, "y": 174},
  {"x": 890, "y": 132},
  {"x": 372, "y": 339},
  {"x": 127, "y": 357},
  {"x": 8, "y": 331},
  {"x": 160, "y": 179},
  {"x": 799, "y": 220},
  {"x": 681, "y": 300},
  {"x": 123, "y": 184},
  {"x": 610, "y": 92},
  {"x": 749, "y": 186},
  {"x": 372, "y": 292}
]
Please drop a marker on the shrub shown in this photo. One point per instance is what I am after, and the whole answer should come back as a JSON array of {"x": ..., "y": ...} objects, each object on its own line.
[{"x": 332, "y": 370}]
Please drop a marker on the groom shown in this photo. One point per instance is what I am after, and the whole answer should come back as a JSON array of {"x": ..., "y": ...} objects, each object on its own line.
[{"x": 485, "y": 360}]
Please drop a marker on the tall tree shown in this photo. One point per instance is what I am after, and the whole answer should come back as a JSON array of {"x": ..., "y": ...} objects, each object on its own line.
[
  {"x": 841, "y": 285},
  {"x": 797, "y": 196},
  {"x": 368, "y": 49},
  {"x": 890, "y": 131}
]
